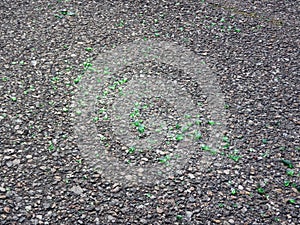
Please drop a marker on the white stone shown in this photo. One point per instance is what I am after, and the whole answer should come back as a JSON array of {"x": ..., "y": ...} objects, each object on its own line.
[
  {"x": 77, "y": 190},
  {"x": 191, "y": 176}
]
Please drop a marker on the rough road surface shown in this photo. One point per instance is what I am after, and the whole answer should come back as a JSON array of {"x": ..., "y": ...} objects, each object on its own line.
[{"x": 252, "y": 49}]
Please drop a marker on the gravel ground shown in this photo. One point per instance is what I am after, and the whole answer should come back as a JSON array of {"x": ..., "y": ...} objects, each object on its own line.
[{"x": 251, "y": 46}]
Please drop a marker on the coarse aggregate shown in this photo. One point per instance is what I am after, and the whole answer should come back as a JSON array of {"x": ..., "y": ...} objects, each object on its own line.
[{"x": 251, "y": 46}]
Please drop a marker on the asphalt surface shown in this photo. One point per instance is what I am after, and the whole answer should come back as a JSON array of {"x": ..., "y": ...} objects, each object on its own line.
[{"x": 252, "y": 47}]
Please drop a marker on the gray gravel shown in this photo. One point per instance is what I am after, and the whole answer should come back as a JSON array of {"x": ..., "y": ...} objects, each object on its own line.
[{"x": 253, "y": 49}]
